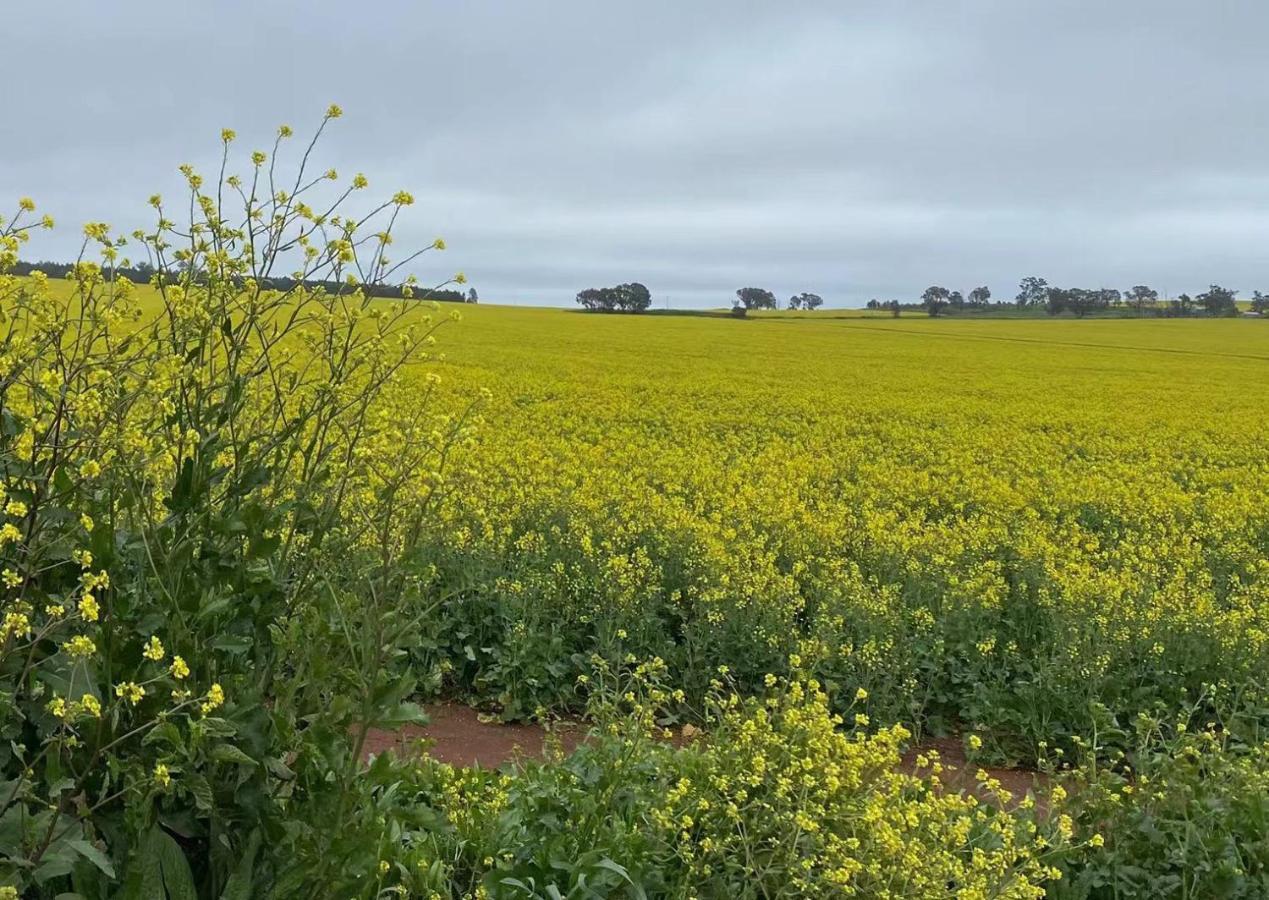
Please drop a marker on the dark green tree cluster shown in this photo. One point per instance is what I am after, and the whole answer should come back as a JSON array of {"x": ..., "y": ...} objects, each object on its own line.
[
  {"x": 1218, "y": 301},
  {"x": 806, "y": 301},
  {"x": 632, "y": 297},
  {"x": 748, "y": 298},
  {"x": 1035, "y": 292},
  {"x": 894, "y": 307},
  {"x": 1081, "y": 301},
  {"x": 755, "y": 298},
  {"x": 936, "y": 298}
]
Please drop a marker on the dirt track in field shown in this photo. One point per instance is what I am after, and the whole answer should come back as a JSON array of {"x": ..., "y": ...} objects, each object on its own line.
[{"x": 461, "y": 736}]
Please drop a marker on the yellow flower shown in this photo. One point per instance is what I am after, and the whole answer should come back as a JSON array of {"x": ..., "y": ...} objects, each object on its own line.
[
  {"x": 90, "y": 705},
  {"x": 179, "y": 669},
  {"x": 15, "y": 508},
  {"x": 439, "y": 243},
  {"x": 154, "y": 649},
  {"x": 161, "y": 775},
  {"x": 15, "y": 623},
  {"x": 26, "y": 204},
  {"x": 460, "y": 278},
  {"x": 80, "y": 647},
  {"x": 861, "y": 694},
  {"x": 57, "y": 706},
  {"x": 89, "y": 611},
  {"x": 215, "y": 698},
  {"x": 975, "y": 742},
  {"x": 333, "y": 111},
  {"x": 130, "y": 691}
]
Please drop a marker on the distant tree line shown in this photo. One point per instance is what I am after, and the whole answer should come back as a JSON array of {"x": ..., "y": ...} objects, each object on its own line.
[
  {"x": 1140, "y": 298},
  {"x": 144, "y": 273},
  {"x": 632, "y": 297},
  {"x": 1036, "y": 293},
  {"x": 748, "y": 298}
]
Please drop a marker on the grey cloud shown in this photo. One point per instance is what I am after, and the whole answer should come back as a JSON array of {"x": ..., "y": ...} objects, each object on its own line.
[{"x": 852, "y": 149}]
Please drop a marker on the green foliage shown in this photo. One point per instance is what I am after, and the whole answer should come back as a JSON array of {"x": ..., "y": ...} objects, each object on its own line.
[
  {"x": 633, "y": 297},
  {"x": 1183, "y": 815},
  {"x": 210, "y": 512},
  {"x": 1218, "y": 301},
  {"x": 754, "y": 298}
]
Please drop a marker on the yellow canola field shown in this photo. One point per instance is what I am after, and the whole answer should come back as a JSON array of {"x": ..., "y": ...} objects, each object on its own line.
[
  {"x": 1021, "y": 528},
  {"x": 994, "y": 524}
]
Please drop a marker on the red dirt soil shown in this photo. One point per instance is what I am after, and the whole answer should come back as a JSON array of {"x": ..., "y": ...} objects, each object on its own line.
[
  {"x": 462, "y": 737},
  {"x": 959, "y": 774}
]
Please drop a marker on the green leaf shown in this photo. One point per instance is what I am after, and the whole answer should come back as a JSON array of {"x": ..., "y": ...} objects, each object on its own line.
[
  {"x": 238, "y": 887},
  {"x": 232, "y": 643},
  {"x": 150, "y": 883},
  {"x": 94, "y": 856},
  {"x": 217, "y": 727},
  {"x": 200, "y": 789},
  {"x": 404, "y": 714},
  {"x": 61, "y": 480},
  {"x": 278, "y": 769},
  {"x": 178, "y": 880},
  {"x": 165, "y": 732},
  {"x": 52, "y": 867},
  {"x": 230, "y": 753}
]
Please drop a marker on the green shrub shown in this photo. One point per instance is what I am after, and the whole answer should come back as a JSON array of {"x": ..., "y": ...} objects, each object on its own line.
[{"x": 1183, "y": 816}]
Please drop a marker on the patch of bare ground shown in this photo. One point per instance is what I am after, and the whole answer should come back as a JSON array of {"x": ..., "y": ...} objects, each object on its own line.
[
  {"x": 960, "y": 774},
  {"x": 462, "y": 737}
]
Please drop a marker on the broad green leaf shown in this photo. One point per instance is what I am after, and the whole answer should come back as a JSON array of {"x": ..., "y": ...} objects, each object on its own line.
[
  {"x": 93, "y": 855},
  {"x": 178, "y": 880}
]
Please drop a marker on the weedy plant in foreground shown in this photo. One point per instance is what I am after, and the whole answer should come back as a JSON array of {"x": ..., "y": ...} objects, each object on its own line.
[{"x": 208, "y": 515}]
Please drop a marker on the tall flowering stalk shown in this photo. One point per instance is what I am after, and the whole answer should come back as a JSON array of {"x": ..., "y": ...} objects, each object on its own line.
[{"x": 209, "y": 487}]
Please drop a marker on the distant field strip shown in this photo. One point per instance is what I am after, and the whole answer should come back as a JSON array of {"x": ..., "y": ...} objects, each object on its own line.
[{"x": 955, "y": 335}]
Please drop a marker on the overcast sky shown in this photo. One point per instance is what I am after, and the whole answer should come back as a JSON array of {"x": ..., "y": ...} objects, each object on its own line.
[{"x": 850, "y": 149}]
